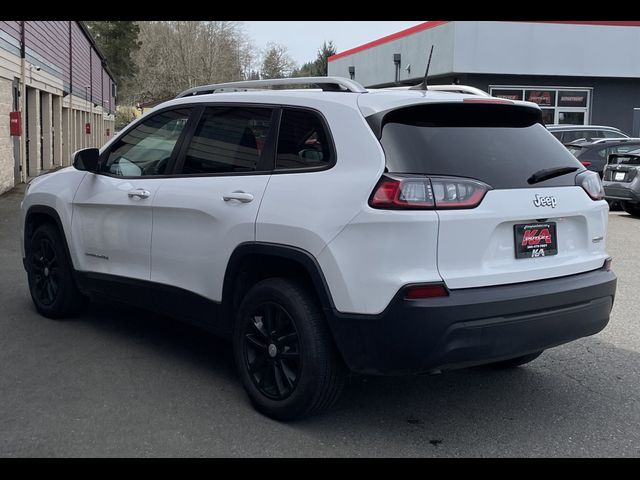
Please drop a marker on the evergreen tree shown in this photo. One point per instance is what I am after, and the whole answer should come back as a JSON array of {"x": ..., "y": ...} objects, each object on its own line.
[
  {"x": 321, "y": 63},
  {"x": 117, "y": 40}
]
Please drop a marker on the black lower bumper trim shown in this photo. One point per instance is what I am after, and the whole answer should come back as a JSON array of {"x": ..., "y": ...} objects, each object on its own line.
[
  {"x": 621, "y": 193},
  {"x": 475, "y": 326}
]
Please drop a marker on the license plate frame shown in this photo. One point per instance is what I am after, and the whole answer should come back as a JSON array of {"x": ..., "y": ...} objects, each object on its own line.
[
  {"x": 540, "y": 239},
  {"x": 619, "y": 176}
]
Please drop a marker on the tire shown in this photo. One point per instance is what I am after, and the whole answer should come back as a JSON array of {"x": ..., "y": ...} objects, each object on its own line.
[
  {"x": 284, "y": 351},
  {"x": 517, "y": 361},
  {"x": 614, "y": 205},
  {"x": 50, "y": 275},
  {"x": 632, "y": 209}
]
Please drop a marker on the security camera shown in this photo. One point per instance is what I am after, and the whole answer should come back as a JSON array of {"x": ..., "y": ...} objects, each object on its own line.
[{"x": 37, "y": 68}]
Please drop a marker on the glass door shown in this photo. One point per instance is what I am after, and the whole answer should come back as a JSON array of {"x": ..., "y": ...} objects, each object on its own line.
[{"x": 571, "y": 117}]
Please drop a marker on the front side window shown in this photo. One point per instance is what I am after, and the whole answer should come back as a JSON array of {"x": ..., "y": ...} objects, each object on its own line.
[
  {"x": 302, "y": 142},
  {"x": 147, "y": 149},
  {"x": 228, "y": 139},
  {"x": 573, "y": 135}
]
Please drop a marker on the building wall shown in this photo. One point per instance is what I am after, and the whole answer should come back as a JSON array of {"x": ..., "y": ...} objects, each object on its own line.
[
  {"x": 63, "y": 68},
  {"x": 375, "y": 66},
  {"x": 6, "y": 145},
  {"x": 508, "y": 48},
  {"x": 547, "y": 48}
]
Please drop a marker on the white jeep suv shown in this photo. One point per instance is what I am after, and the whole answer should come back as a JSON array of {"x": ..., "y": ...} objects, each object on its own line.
[{"x": 332, "y": 230}]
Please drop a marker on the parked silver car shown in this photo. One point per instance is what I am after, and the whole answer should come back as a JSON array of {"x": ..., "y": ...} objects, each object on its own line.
[{"x": 570, "y": 133}]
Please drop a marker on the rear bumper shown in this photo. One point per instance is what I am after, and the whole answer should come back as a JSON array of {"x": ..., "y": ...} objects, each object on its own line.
[
  {"x": 475, "y": 326},
  {"x": 617, "y": 191}
]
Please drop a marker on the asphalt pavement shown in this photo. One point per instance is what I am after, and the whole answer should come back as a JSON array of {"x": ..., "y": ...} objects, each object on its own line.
[{"x": 120, "y": 381}]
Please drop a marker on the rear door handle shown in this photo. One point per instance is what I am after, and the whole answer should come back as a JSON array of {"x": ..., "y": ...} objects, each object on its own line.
[
  {"x": 139, "y": 192},
  {"x": 238, "y": 195}
]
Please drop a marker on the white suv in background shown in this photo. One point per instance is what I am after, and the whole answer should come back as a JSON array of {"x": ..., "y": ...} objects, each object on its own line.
[{"x": 332, "y": 230}]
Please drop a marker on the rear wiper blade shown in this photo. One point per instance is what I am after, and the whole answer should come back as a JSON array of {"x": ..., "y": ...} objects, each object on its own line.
[{"x": 547, "y": 173}]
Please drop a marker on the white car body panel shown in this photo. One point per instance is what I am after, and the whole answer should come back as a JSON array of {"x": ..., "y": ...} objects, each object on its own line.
[
  {"x": 376, "y": 254},
  {"x": 308, "y": 210},
  {"x": 195, "y": 231},
  {"x": 55, "y": 190},
  {"x": 111, "y": 231},
  {"x": 476, "y": 247}
]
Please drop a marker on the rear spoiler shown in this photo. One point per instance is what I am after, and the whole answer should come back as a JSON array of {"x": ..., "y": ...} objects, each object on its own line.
[{"x": 476, "y": 113}]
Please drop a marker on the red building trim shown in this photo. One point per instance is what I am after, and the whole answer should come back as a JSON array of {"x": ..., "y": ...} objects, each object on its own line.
[
  {"x": 389, "y": 38},
  {"x": 427, "y": 25}
]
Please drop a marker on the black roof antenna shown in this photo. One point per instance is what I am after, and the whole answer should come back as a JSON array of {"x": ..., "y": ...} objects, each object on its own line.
[{"x": 423, "y": 85}]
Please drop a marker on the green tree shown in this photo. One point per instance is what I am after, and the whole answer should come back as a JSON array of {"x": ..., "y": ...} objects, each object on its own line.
[
  {"x": 306, "y": 70},
  {"x": 318, "y": 67},
  {"x": 276, "y": 62},
  {"x": 117, "y": 40},
  {"x": 321, "y": 63}
]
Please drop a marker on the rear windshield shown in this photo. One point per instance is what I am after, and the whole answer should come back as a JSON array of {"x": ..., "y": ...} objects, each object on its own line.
[
  {"x": 497, "y": 146},
  {"x": 628, "y": 160}
]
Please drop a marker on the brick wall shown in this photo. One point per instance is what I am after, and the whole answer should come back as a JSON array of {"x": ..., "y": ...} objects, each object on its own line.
[{"x": 6, "y": 145}]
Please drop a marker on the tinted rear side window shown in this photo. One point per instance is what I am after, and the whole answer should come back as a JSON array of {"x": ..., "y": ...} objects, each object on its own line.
[
  {"x": 228, "y": 139},
  {"x": 500, "y": 147},
  {"x": 303, "y": 141}
]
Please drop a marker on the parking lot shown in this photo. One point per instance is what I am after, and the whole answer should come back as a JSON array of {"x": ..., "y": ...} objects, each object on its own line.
[{"x": 119, "y": 381}]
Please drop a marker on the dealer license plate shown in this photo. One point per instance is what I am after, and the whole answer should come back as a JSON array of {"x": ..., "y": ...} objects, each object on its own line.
[{"x": 535, "y": 240}]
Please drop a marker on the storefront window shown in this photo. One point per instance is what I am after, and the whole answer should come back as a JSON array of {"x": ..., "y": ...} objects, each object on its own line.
[
  {"x": 559, "y": 105},
  {"x": 544, "y": 98}
]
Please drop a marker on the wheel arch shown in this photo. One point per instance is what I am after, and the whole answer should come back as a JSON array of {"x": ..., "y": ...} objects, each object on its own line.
[
  {"x": 251, "y": 262},
  {"x": 36, "y": 216}
]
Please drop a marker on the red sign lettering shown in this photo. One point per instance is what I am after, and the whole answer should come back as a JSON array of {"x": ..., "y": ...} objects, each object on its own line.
[{"x": 531, "y": 237}]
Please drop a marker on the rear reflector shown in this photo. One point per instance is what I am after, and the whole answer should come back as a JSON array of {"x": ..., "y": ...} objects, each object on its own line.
[
  {"x": 607, "y": 264},
  {"x": 425, "y": 291}
]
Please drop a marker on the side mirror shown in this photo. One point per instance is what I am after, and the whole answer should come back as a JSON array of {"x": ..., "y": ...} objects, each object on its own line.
[{"x": 87, "y": 159}]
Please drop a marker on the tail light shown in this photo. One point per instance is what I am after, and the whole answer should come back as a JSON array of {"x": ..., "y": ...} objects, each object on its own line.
[
  {"x": 412, "y": 192},
  {"x": 585, "y": 163},
  {"x": 591, "y": 183}
]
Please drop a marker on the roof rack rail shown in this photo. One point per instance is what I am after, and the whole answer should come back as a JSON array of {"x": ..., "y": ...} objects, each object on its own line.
[
  {"x": 327, "y": 84},
  {"x": 453, "y": 88},
  {"x": 616, "y": 139}
]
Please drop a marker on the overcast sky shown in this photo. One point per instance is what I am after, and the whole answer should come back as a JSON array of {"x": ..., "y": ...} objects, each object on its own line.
[{"x": 303, "y": 39}]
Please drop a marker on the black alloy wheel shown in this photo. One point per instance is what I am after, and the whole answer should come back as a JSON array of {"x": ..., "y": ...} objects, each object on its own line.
[
  {"x": 50, "y": 274},
  {"x": 46, "y": 271},
  {"x": 272, "y": 351},
  {"x": 284, "y": 350}
]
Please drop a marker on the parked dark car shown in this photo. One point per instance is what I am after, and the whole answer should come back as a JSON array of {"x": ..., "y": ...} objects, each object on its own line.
[
  {"x": 593, "y": 154},
  {"x": 570, "y": 133},
  {"x": 621, "y": 179}
]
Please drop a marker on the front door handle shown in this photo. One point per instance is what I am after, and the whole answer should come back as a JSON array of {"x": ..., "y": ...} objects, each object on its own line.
[
  {"x": 139, "y": 192},
  {"x": 238, "y": 195}
]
